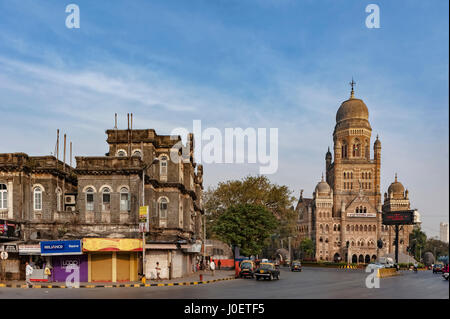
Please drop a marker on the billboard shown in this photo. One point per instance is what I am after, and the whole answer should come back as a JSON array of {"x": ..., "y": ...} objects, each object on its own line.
[
  {"x": 143, "y": 219},
  {"x": 404, "y": 217}
]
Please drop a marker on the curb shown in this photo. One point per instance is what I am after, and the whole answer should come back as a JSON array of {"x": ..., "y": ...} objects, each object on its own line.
[
  {"x": 348, "y": 267},
  {"x": 191, "y": 283}
]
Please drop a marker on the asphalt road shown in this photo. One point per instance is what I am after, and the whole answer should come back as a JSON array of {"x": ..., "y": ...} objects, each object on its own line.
[{"x": 310, "y": 283}]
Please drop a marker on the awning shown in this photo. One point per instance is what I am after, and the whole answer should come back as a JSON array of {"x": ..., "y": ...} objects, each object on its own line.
[{"x": 112, "y": 244}]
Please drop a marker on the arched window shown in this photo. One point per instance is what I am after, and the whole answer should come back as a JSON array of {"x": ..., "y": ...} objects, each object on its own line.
[
  {"x": 58, "y": 199},
  {"x": 106, "y": 199},
  {"x": 365, "y": 227},
  {"x": 344, "y": 149},
  {"x": 124, "y": 199},
  {"x": 339, "y": 228},
  {"x": 90, "y": 199},
  {"x": 3, "y": 197},
  {"x": 345, "y": 175},
  {"x": 37, "y": 198},
  {"x": 327, "y": 229},
  {"x": 374, "y": 228},
  {"x": 137, "y": 153},
  {"x": 348, "y": 227},
  {"x": 163, "y": 205},
  {"x": 365, "y": 210},
  {"x": 335, "y": 228},
  {"x": 121, "y": 153},
  {"x": 370, "y": 228},
  {"x": 356, "y": 148},
  {"x": 163, "y": 166}
]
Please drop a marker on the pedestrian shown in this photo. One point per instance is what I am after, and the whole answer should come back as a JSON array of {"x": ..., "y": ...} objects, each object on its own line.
[
  {"x": 212, "y": 266},
  {"x": 158, "y": 271},
  {"x": 28, "y": 273},
  {"x": 219, "y": 263},
  {"x": 48, "y": 273}
]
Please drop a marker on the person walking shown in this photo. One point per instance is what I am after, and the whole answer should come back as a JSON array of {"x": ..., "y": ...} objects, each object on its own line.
[
  {"x": 212, "y": 266},
  {"x": 48, "y": 273},
  {"x": 158, "y": 271},
  {"x": 28, "y": 273},
  {"x": 219, "y": 264}
]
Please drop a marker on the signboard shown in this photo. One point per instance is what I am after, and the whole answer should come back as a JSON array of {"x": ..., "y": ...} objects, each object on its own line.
[
  {"x": 11, "y": 248},
  {"x": 143, "y": 219},
  {"x": 112, "y": 244},
  {"x": 60, "y": 247},
  {"x": 404, "y": 217},
  {"x": 8, "y": 229},
  {"x": 30, "y": 249},
  {"x": 361, "y": 215}
]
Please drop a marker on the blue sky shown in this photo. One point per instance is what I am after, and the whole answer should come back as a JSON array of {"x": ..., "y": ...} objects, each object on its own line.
[{"x": 247, "y": 63}]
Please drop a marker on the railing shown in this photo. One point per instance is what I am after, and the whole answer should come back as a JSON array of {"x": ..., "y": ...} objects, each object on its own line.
[{"x": 4, "y": 215}]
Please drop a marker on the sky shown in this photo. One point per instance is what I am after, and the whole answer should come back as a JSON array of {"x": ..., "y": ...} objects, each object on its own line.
[{"x": 235, "y": 63}]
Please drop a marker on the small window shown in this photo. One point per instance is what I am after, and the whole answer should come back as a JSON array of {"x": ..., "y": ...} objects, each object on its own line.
[
  {"x": 90, "y": 199},
  {"x": 163, "y": 208},
  {"x": 124, "y": 199},
  {"x": 121, "y": 153},
  {"x": 38, "y": 198},
  {"x": 163, "y": 166},
  {"x": 106, "y": 200},
  {"x": 3, "y": 197},
  {"x": 137, "y": 153}
]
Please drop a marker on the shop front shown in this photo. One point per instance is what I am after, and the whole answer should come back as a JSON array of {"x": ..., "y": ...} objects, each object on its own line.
[
  {"x": 112, "y": 259},
  {"x": 62, "y": 256},
  {"x": 10, "y": 267},
  {"x": 31, "y": 253}
]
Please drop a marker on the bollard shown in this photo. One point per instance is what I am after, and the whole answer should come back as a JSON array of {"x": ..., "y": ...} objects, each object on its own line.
[{"x": 201, "y": 277}]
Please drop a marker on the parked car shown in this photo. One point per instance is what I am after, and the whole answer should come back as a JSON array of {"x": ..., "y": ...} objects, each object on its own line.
[
  {"x": 267, "y": 270},
  {"x": 438, "y": 268},
  {"x": 247, "y": 269},
  {"x": 387, "y": 262},
  {"x": 296, "y": 266}
]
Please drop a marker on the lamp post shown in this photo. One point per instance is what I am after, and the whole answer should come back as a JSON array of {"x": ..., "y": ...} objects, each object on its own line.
[{"x": 155, "y": 161}]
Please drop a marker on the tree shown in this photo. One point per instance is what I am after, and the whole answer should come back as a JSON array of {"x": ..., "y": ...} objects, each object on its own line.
[
  {"x": 436, "y": 247},
  {"x": 307, "y": 248},
  {"x": 254, "y": 190},
  {"x": 417, "y": 241},
  {"x": 247, "y": 226}
]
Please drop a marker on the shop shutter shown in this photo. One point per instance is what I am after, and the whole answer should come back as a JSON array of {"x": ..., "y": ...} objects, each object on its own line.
[
  {"x": 101, "y": 267},
  {"x": 123, "y": 267}
]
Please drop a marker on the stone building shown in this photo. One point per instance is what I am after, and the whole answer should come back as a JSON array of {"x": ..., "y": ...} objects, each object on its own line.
[
  {"x": 100, "y": 199},
  {"x": 346, "y": 204}
]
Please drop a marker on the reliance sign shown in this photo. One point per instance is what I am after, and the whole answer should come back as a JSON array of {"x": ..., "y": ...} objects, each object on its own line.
[{"x": 61, "y": 247}]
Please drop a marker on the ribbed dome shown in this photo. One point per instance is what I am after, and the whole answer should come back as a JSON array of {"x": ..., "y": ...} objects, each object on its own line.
[
  {"x": 323, "y": 188},
  {"x": 396, "y": 188},
  {"x": 352, "y": 109}
]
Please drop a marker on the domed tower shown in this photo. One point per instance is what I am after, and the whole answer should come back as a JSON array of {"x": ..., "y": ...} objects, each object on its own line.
[
  {"x": 396, "y": 199},
  {"x": 353, "y": 171},
  {"x": 323, "y": 206}
]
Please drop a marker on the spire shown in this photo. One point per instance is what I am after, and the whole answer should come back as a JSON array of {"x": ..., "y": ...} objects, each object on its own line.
[
  {"x": 396, "y": 177},
  {"x": 322, "y": 176},
  {"x": 352, "y": 93}
]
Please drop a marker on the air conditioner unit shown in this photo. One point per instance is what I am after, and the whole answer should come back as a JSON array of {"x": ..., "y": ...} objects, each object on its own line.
[
  {"x": 69, "y": 199},
  {"x": 70, "y": 208}
]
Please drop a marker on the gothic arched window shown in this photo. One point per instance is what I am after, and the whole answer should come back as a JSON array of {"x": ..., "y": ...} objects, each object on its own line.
[{"x": 357, "y": 148}]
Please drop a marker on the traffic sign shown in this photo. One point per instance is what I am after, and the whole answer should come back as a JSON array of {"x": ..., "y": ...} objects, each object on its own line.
[{"x": 4, "y": 255}]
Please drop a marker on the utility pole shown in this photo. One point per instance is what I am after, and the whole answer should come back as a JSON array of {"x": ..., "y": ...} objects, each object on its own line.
[{"x": 290, "y": 254}]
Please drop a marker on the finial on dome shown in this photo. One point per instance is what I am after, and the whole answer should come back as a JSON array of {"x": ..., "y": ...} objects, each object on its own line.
[
  {"x": 322, "y": 176},
  {"x": 352, "y": 84},
  {"x": 377, "y": 136},
  {"x": 396, "y": 177}
]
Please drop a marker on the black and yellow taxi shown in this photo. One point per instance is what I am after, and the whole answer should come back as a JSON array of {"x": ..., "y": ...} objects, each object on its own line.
[
  {"x": 296, "y": 266},
  {"x": 267, "y": 270},
  {"x": 247, "y": 269}
]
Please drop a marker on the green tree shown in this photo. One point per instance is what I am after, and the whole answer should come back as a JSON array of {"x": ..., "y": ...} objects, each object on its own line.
[
  {"x": 254, "y": 190},
  {"x": 436, "y": 247},
  {"x": 417, "y": 241},
  {"x": 307, "y": 248},
  {"x": 246, "y": 225}
]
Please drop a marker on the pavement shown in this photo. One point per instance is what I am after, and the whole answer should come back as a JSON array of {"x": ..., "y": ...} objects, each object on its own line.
[
  {"x": 311, "y": 283},
  {"x": 193, "y": 279}
]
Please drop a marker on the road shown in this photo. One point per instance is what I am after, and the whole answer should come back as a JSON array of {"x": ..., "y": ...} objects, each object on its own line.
[{"x": 312, "y": 283}]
